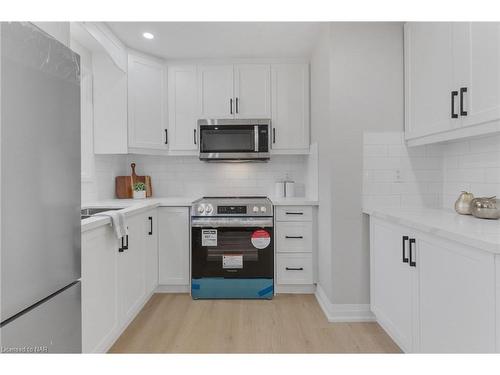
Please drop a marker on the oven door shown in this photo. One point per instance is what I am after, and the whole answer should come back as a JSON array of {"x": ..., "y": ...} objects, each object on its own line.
[{"x": 232, "y": 248}]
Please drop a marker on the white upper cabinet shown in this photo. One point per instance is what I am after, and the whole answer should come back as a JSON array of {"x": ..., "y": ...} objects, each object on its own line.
[
  {"x": 290, "y": 107},
  {"x": 147, "y": 114},
  {"x": 215, "y": 91},
  {"x": 234, "y": 91},
  {"x": 183, "y": 108},
  {"x": 252, "y": 91},
  {"x": 429, "y": 77},
  {"x": 452, "y": 80},
  {"x": 477, "y": 67},
  {"x": 110, "y": 106}
]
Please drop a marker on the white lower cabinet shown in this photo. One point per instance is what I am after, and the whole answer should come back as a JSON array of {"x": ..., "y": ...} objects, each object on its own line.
[
  {"x": 99, "y": 289},
  {"x": 392, "y": 284},
  {"x": 117, "y": 279},
  {"x": 294, "y": 241},
  {"x": 430, "y": 294},
  {"x": 173, "y": 246}
]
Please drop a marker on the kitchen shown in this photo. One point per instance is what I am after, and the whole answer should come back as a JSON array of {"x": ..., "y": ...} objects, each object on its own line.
[{"x": 296, "y": 188}]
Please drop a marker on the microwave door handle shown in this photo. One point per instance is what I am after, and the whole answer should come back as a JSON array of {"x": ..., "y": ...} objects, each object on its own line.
[{"x": 256, "y": 138}]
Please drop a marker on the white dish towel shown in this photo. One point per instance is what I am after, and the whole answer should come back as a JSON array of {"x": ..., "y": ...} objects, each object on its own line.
[{"x": 118, "y": 222}]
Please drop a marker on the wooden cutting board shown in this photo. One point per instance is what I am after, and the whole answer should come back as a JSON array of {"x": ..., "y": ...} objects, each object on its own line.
[
  {"x": 146, "y": 180},
  {"x": 124, "y": 185}
]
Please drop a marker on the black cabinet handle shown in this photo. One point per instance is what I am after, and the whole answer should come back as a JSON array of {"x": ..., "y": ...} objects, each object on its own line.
[
  {"x": 166, "y": 136},
  {"x": 453, "y": 95},
  {"x": 412, "y": 262},
  {"x": 294, "y": 213},
  {"x": 124, "y": 245},
  {"x": 274, "y": 135},
  {"x": 462, "y": 91},
  {"x": 231, "y": 106},
  {"x": 294, "y": 237},
  {"x": 237, "y": 105},
  {"x": 294, "y": 269},
  {"x": 150, "y": 218},
  {"x": 194, "y": 135},
  {"x": 405, "y": 258}
]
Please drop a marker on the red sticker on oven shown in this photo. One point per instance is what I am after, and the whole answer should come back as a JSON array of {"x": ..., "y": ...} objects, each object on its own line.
[{"x": 261, "y": 239}]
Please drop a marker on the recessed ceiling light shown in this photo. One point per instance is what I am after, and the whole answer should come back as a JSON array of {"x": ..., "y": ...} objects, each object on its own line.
[{"x": 148, "y": 35}]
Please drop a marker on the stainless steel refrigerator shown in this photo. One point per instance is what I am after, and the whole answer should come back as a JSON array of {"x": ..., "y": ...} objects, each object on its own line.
[{"x": 40, "y": 192}]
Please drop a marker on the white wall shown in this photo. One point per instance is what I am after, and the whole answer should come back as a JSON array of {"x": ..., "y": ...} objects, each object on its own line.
[
  {"x": 365, "y": 94},
  {"x": 320, "y": 133}
]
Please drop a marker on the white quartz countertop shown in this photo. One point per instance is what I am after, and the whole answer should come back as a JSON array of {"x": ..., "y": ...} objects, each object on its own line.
[
  {"x": 130, "y": 206},
  {"x": 134, "y": 206},
  {"x": 479, "y": 233}
]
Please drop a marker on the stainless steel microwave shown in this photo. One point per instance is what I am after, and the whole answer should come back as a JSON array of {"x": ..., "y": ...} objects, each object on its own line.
[{"x": 234, "y": 139}]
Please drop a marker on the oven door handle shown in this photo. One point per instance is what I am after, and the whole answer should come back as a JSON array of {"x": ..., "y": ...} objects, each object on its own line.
[{"x": 199, "y": 222}]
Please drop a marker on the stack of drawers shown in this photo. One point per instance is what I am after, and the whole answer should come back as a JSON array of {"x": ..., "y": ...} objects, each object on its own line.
[{"x": 294, "y": 245}]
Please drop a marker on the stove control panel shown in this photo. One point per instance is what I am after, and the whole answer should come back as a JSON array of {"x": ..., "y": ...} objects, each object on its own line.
[{"x": 231, "y": 210}]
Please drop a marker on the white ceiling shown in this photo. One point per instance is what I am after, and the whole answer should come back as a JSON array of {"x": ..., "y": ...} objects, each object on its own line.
[{"x": 191, "y": 40}]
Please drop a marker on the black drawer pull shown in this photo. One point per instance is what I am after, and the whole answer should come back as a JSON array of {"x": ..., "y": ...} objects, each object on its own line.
[
  {"x": 274, "y": 135},
  {"x": 120, "y": 249},
  {"x": 295, "y": 237},
  {"x": 150, "y": 218},
  {"x": 194, "y": 136},
  {"x": 405, "y": 258},
  {"x": 413, "y": 263},
  {"x": 294, "y": 269},
  {"x": 166, "y": 136},
  {"x": 295, "y": 213}
]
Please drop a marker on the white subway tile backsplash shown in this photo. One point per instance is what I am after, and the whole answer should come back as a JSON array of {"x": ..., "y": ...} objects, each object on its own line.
[
  {"x": 432, "y": 175},
  {"x": 188, "y": 176}
]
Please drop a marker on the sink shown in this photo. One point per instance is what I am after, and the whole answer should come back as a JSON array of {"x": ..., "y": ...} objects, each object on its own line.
[{"x": 88, "y": 212}]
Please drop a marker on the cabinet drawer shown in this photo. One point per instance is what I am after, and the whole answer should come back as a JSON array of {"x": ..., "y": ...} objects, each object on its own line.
[
  {"x": 293, "y": 213},
  {"x": 294, "y": 237},
  {"x": 294, "y": 268}
]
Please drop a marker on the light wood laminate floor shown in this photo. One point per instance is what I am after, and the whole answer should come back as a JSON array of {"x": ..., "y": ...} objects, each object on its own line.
[{"x": 290, "y": 323}]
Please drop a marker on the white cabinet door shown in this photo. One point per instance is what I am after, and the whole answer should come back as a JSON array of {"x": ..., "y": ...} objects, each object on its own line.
[
  {"x": 147, "y": 90},
  {"x": 477, "y": 66},
  {"x": 215, "y": 91},
  {"x": 429, "y": 78},
  {"x": 252, "y": 91},
  {"x": 131, "y": 276},
  {"x": 290, "y": 107},
  {"x": 151, "y": 250},
  {"x": 183, "y": 110},
  {"x": 392, "y": 283},
  {"x": 110, "y": 106},
  {"x": 99, "y": 289},
  {"x": 456, "y": 298},
  {"x": 174, "y": 250}
]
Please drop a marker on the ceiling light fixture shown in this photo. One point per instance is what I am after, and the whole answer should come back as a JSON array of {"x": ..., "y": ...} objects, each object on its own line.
[{"x": 148, "y": 35}]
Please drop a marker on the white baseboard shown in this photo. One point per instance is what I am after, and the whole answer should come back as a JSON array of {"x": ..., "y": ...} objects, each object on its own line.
[
  {"x": 335, "y": 312},
  {"x": 173, "y": 289},
  {"x": 295, "y": 289}
]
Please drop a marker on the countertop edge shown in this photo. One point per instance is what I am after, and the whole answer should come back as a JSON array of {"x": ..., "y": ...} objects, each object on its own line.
[{"x": 456, "y": 236}]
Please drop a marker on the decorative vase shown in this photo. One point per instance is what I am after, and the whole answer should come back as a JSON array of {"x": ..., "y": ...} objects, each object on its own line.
[
  {"x": 463, "y": 205},
  {"x": 139, "y": 194}
]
